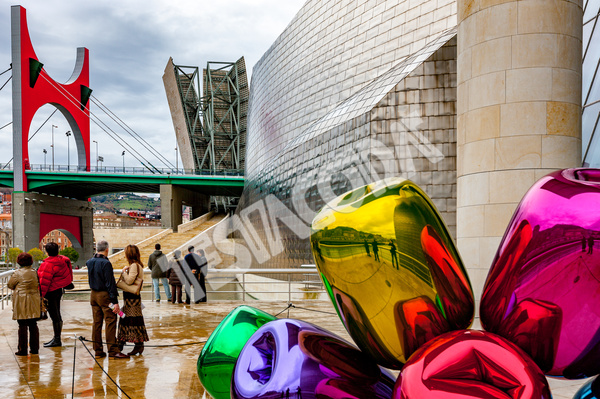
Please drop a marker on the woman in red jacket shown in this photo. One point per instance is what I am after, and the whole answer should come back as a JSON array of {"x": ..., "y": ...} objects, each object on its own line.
[{"x": 55, "y": 274}]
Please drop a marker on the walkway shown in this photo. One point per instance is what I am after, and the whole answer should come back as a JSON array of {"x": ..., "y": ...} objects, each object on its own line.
[
  {"x": 161, "y": 372},
  {"x": 168, "y": 243}
]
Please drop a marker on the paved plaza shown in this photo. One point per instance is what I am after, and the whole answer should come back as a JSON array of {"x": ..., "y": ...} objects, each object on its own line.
[{"x": 161, "y": 372}]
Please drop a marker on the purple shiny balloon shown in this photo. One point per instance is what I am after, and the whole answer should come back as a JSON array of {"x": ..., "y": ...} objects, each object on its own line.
[
  {"x": 543, "y": 289},
  {"x": 470, "y": 364},
  {"x": 290, "y": 358}
]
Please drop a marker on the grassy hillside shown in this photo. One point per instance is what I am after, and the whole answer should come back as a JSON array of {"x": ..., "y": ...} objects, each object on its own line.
[{"x": 117, "y": 201}]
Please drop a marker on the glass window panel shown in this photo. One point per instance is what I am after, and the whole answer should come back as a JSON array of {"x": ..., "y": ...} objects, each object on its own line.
[
  {"x": 588, "y": 120},
  {"x": 591, "y": 61},
  {"x": 593, "y": 155},
  {"x": 592, "y": 8},
  {"x": 594, "y": 94},
  {"x": 587, "y": 32}
]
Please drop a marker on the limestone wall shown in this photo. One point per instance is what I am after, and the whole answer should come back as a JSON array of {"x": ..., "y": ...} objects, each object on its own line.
[
  {"x": 519, "y": 112},
  {"x": 120, "y": 238}
]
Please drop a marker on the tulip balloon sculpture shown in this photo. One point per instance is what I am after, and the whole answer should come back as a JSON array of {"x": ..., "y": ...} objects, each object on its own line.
[
  {"x": 221, "y": 351},
  {"x": 471, "y": 364},
  {"x": 589, "y": 390},
  {"x": 293, "y": 359},
  {"x": 543, "y": 288},
  {"x": 391, "y": 269}
]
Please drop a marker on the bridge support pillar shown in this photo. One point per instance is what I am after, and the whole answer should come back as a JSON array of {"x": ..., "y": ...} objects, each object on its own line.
[
  {"x": 35, "y": 215},
  {"x": 172, "y": 199}
]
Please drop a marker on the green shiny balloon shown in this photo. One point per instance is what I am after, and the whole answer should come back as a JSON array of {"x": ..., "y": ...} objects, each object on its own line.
[{"x": 218, "y": 357}]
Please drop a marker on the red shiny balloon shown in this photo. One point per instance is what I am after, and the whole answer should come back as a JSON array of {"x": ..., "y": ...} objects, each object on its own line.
[
  {"x": 418, "y": 321},
  {"x": 543, "y": 288},
  {"x": 470, "y": 364},
  {"x": 451, "y": 283}
]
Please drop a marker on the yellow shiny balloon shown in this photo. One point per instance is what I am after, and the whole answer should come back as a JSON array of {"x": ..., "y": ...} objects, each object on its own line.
[{"x": 391, "y": 269}]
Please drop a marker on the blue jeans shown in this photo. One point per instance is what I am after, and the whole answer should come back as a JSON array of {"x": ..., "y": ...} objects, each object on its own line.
[{"x": 165, "y": 283}]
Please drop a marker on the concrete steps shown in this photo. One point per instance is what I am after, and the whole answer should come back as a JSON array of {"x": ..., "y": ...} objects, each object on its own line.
[{"x": 168, "y": 243}]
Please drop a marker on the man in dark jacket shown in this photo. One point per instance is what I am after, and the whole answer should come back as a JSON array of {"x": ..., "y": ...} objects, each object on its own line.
[
  {"x": 157, "y": 263},
  {"x": 193, "y": 261},
  {"x": 104, "y": 301},
  {"x": 54, "y": 274}
]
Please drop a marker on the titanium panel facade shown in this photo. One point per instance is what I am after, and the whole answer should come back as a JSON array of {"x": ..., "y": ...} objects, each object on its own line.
[
  {"x": 351, "y": 92},
  {"x": 330, "y": 51}
]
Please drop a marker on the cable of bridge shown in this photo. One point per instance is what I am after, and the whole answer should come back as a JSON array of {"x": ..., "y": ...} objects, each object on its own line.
[
  {"x": 132, "y": 132},
  {"x": 32, "y": 136},
  {"x": 99, "y": 123},
  {"x": 9, "y": 68},
  {"x": 5, "y": 83}
]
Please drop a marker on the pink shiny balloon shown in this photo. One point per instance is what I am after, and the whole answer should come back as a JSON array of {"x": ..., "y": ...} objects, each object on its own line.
[
  {"x": 470, "y": 364},
  {"x": 543, "y": 289}
]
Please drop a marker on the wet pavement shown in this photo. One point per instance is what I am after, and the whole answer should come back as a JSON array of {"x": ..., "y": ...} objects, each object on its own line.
[
  {"x": 167, "y": 370},
  {"x": 161, "y": 372}
]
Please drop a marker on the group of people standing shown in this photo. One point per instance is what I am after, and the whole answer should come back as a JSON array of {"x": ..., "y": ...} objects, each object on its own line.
[
  {"x": 176, "y": 274},
  {"x": 55, "y": 274}
]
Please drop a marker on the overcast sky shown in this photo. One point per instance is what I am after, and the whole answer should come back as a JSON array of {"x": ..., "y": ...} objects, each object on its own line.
[{"x": 130, "y": 42}]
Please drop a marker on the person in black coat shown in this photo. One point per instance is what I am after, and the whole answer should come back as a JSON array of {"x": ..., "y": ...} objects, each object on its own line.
[
  {"x": 194, "y": 262},
  {"x": 175, "y": 270},
  {"x": 203, "y": 272}
]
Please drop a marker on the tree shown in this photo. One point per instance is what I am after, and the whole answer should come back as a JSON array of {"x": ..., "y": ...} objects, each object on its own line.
[
  {"x": 12, "y": 255},
  {"x": 37, "y": 254},
  {"x": 70, "y": 253}
]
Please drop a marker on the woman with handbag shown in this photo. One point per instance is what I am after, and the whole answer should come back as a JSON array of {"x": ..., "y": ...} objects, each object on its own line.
[
  {"x": 26, "y": 304},
  {"x": 131, "y": 326}
]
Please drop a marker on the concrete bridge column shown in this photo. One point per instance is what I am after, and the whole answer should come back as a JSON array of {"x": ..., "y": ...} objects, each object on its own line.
[
  {"x": 519, "y": 112},
  {"x": 34, "y": 215},
  {"x": 172, "y": 198}
]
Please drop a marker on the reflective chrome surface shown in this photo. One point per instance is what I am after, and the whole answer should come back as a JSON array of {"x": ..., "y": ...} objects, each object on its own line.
[
  {"x": 391, "y": 269},
  {"x": 543, "y": 289},
  {"x": 290, "y": 358},
  {"x": 221, "y": 351},
  {"x": 470, "y": 365},
  {"x": 590, "y": 390}
]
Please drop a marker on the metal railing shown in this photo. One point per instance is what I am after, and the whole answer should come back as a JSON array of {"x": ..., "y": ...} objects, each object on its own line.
[
  {"x": 222, "y": 284},
  {"x": 4, "y": 291},
  {"x": 130, "y": 170}
]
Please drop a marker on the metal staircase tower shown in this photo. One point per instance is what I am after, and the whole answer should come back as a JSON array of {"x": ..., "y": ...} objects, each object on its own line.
[{"x": 216, "y": 122}]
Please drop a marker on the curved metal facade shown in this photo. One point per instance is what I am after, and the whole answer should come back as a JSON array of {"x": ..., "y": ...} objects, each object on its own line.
[{"x": 349, "y": 93}]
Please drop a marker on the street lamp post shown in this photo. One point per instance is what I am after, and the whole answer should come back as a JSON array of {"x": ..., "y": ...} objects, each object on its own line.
[
  {"x": 68, "y": 134},
  {"x": 96, "y": 154},
  {"x": 176, "y": 161},
  {"x": 45, "y": 152},
  {"x": 53, "y": 126},
  {"x": 123, "y": 154}
]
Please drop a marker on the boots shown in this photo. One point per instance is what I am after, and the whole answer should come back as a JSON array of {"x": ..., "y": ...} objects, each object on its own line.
[
  {"x": 137, "y": 349},
  {"x": 34, "y": 339},
  {"x": 57, "y": 326},
  {"x": 22, "y": 345}
]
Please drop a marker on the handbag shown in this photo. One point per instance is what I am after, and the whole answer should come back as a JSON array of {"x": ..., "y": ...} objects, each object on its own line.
[
  {"x": 43, "y": 302},
  {"x": 133, "y": 288},
  {"x": 70, "y": 286},
  {"x": 43, "y": 309}
]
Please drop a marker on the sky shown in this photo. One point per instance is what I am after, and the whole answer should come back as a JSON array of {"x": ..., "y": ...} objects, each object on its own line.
[{"x": 130, "y": 43}]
